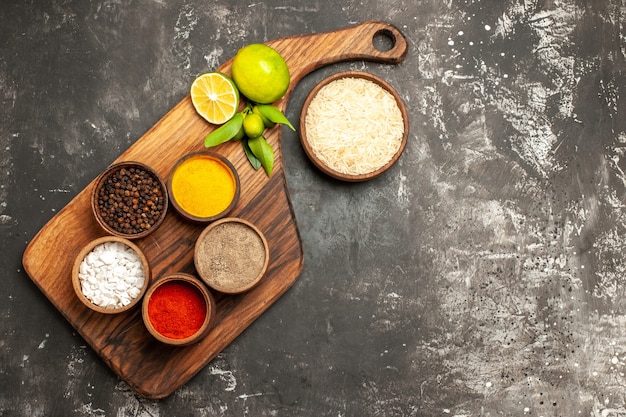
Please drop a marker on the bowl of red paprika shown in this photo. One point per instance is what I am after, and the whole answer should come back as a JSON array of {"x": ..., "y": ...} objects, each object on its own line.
[{"x": 178, "y": 309}]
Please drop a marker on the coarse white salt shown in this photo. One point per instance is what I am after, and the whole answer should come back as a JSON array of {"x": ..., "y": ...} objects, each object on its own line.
[{"x": 111, "y": 275}]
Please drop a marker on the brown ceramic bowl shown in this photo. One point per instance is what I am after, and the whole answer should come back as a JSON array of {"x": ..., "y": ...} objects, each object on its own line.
[
  {"x": 78, "y": 276},
  {"x": 309, "y": 149},
  {"x": 150, "y": 199},
  {"x": 170, "y": 335},
  {"x": 231, "y": 255},
  {"x": 206, "y": 174}
]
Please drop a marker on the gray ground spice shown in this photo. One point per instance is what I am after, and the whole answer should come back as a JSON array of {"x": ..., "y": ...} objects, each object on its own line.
[{"x": 230, "y": 256}]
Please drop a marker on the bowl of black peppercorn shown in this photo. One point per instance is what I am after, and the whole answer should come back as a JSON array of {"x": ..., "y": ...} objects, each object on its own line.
[{"x": 129, "y": 200}]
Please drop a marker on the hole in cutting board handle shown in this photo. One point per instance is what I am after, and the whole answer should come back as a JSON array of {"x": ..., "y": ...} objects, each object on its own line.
[{"x": 384, "y": 40}]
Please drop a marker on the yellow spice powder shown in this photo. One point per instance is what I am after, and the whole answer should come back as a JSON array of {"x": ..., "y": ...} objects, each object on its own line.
[{"x": 203, "y": 186}]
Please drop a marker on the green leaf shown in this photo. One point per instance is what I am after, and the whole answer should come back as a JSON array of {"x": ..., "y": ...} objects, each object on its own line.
[
  {"x": 274, "y": 115},
  {"x": 225, "y": 132},
  {"x": 264, "y": 152},
  {"x": 254, "y": 161}
]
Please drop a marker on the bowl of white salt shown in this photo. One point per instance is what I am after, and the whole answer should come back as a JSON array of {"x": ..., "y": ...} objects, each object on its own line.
[{"x": 110, "y": 275}]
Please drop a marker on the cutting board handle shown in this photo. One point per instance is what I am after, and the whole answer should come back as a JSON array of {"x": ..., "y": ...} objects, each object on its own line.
[{"x": 306, "y": 53}]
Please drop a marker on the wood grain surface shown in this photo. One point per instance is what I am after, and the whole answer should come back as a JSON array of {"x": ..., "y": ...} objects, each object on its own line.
[{"x": 152, "y": 369}]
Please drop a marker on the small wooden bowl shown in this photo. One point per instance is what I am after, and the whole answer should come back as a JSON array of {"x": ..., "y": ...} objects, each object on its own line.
[
  {"x": 96, "y": 200},
  {"x": 228, "y": 172},
  {"x": 231, "y": 255},
  {"x": 309, "y": 149},
  {"x": 76, "y": 282},
  {"x": 198, "y": 286}
]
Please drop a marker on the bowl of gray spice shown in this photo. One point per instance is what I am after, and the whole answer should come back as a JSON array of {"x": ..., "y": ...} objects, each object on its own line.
[
  {"x": 129, "y": 200},
  {"x": 231, "y": 255}
]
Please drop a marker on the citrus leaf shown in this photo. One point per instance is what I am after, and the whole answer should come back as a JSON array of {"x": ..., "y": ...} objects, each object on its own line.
[
  {"x": 254, "y": 161},
  {"x": 225, "y": 132},
  {"x": 267, "y": 122},
  {"x": 274, "y": 115},
  {"x": 264, "y": 152}
]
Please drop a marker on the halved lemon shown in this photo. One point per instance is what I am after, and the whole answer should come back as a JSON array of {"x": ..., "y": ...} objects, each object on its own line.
[{"x": 215, "y": 97}]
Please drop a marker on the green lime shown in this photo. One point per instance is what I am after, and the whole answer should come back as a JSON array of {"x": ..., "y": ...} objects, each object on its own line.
[
  {"x": 253, "y": 125},
  {"x": 260, "y": 73}
]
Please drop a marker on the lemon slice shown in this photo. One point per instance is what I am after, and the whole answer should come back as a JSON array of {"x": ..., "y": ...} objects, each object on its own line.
[{"x": 215, "y": 97}]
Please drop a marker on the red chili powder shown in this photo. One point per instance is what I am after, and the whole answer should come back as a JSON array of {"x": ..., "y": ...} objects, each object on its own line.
[{"x": 177, "y": 309}]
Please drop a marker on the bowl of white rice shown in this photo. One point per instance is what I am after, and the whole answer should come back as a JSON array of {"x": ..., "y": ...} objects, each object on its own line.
[
  {"x": 110, "y": 275},
  {"x": 353, "y": 126}
]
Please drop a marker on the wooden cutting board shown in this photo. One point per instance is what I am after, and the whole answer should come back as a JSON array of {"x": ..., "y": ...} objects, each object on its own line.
[{"x": 153, "y": 369}]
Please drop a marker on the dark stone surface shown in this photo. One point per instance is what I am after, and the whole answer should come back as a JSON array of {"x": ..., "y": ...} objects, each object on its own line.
[{"x": 483, "y": 275}]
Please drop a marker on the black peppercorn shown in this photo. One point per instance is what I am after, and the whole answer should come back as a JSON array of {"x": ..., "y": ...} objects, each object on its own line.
[{"x": 130, "y": 200}]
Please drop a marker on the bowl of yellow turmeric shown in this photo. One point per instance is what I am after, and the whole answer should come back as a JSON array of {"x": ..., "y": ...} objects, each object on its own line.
[{"x": 203, "y": 186}]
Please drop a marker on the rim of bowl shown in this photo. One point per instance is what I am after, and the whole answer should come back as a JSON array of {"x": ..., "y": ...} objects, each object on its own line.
[
  {"x": 88, "y": 248},
  {"x": 309, "y": 150},
  {"x": 222, "y": 159},
  {"x": 96, "y": 189},
  {"x": 208, "y": 299},
  {"x": 207, "y": 279}
]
